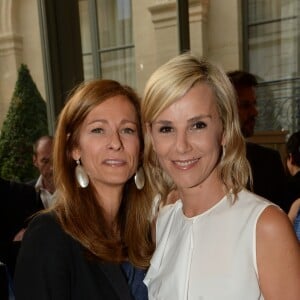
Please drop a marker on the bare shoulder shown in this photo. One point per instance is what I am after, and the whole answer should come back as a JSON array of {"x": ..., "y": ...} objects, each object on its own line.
[
  {"x": 274, "y": 223},
  {"x": 278, "y": 255},
  {"x": 275, "y": 228}
]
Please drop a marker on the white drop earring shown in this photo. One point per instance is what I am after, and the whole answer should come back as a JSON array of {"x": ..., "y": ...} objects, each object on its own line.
[
  {"x": 81, "y": 176},
  {"x": 139, "y": 178},
  {"x": 223, "y": 151}
]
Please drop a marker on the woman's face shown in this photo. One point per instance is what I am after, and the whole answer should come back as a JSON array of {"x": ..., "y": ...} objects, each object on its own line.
[
  {"x": 187, "y": 138},
  {"x": 109, "y": 144}
]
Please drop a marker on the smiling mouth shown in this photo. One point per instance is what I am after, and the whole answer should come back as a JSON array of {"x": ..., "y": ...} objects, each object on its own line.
[
  {"x": 185, "y": 164},
  {"x": 114, "y": 162}
]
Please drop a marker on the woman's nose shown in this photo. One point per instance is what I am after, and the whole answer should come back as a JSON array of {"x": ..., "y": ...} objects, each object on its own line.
[
  {"x": 182, "y": 142},
  {"x": 115, "y": 142}
]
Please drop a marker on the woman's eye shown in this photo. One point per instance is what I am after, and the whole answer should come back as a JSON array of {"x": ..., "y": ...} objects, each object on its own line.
[
  {"x": 97, "y": 130},
  {"x": 199, "y": 125},
  {"x": 165, "y": 129},
  {"x": 128, "y": 130}
]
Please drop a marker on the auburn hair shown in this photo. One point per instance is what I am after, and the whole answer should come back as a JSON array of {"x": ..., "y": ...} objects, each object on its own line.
[{"x": 76, "y": 208}]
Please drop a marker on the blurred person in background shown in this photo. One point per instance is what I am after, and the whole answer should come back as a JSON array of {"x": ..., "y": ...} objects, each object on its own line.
[
  {"x": 293, "y": 182},
  {"x": 266, "y": 165},
  {"x": 18, "y": 203},
  {"x": 42, "y": 160}
]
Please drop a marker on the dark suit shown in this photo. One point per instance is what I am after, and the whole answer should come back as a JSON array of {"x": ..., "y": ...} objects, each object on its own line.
[
  {"x": 52, "y": 265},
  {"x": 268, "y": 173},
  {"x": 33, "y": 183},
  {"x": 18, "y": 202}
]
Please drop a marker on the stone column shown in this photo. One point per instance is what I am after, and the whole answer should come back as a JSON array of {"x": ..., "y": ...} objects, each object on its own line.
[
  {"x": 164, "y": 18},
  {"x": 11, "y": 45}
]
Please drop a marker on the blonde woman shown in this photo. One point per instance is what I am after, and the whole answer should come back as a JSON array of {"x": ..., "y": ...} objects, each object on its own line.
[{"x": 218, "y": 240}]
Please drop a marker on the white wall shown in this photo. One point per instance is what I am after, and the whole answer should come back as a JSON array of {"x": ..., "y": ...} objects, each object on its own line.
[
  {"x": 225, "y": 33},
  {"x": 144, "y": 39},
  {"x": 30, "y": 31}
]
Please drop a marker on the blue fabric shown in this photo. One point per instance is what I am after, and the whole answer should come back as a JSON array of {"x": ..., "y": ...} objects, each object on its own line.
[
  {"x": 135, "y": 277},
  {"x": 7, "y": 291},
  {"x": 297, "y": 225}
]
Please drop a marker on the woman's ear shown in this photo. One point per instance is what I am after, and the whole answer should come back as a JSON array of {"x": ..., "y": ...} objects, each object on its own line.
[
  {"x": 223, "y": 140},
  {"x": 76, "y": 154}
]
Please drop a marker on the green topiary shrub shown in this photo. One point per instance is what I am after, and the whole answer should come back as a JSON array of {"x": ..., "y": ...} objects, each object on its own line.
[{"x": 25, "y": 122}]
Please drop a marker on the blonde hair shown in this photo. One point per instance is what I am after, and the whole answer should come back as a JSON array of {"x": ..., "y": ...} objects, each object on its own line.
[
  {"x": 76, "y": 208},
  {"x": 171, "y": 82}
]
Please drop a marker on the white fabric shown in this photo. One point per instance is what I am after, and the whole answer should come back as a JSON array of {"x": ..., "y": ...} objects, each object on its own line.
[
  {"x": 208, "y": 257},
  {"x": 46, "y": 197}
]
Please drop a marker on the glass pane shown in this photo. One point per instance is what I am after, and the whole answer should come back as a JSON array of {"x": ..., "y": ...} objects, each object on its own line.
[
  {"x": 114, "y": 23},
  {"x": 88, "y": 69},
  {"x": 119, "y": 65},
  {"x": 262, "y": 10},
  {"x": 112, "y": 30},
  {"x": 86, "y": 39},
  {"x": 273, "y": 44},
  {"x": 279, "y": 105},
  {"x": 85, "y": 26},
  {"x": 273, "y": 49}
]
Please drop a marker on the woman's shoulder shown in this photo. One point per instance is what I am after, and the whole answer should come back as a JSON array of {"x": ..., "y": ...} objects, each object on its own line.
[
  {"x": 45, "y": 228},
  {"x": 274, "y": 223},
  {"x": 44, "y": 220},
  {"x": 249, "y": 199},
  {"x": 166, "y": 216},
  {"x": 168, "y": 209},
  {"x": 46, "y": 241},
  {"x": 249, "y": 207},
  {"x": 277, "y": 249}
]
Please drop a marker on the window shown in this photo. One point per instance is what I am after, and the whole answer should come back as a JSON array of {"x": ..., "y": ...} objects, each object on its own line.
[
  {"x": 107, "y": 40},
  {"x": 272, "y": 52}
]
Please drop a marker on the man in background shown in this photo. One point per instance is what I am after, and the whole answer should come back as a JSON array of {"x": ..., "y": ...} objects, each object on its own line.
[
  {"x": 18, "y": 203},
  {"x": 266, "y": 165},
  {"x": 42, "y": 159}
]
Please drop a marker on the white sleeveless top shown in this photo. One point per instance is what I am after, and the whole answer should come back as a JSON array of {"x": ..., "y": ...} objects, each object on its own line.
[{"x": 211, "y": 256}]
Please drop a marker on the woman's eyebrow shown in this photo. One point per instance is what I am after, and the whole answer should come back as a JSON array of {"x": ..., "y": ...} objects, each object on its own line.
[
  {"x": 162, "y": 122},
  {"x": 198, "y": 118}
]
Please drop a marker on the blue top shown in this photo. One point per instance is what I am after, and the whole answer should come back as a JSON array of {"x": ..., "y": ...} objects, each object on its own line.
[
  {"x": 135, "y": 277},
  {"x": 297, "y": 225}
]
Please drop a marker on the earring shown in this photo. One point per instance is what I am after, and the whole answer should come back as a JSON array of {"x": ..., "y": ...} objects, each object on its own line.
[
  {"x": 81, "y": 175},
  {"x": 223, "y": 151},
  {"x": 139, "y": 178}
]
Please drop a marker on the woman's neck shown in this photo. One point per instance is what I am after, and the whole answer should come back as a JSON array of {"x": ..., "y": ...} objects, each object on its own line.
[
  {"x": 199, "y": 199},
  {"x": 110, "y": 198}
]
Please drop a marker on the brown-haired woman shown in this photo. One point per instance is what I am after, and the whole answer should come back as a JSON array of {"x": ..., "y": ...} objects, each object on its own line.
[{"x": 95, "y": 242}]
